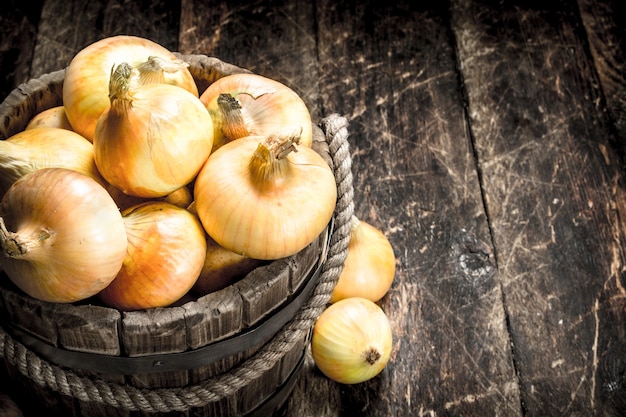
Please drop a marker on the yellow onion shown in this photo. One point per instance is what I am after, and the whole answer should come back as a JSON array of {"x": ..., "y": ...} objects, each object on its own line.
[
  {"x": 182, "y": 197},
  {"x": 52, "y": 117},
  {"x": 352, "y": 341},
  {"x": 370, "y": 266},
  {"x": 166, "y": 250},
  {"x": 153, "y": 139},
  {"x": 222, "y": 268},
  {"x": 253, "y": 105},
  {"x": 45, "y": 147},
  {"x": 265, "y": 197},
  {"x": 62, "y": 237},
  {"x": 86, "y": 82}
]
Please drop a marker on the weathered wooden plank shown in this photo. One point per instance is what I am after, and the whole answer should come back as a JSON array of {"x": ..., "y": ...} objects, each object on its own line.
[
  {"x": 18, "y": 31},
  {"x": 552, "y": 184},
  {"x": 605, "y": 25},
  {"x": 391, "y": 69},
  {"x": 89, "y": 328},
  {"x": 263, "y": 290},
  {"x": 29, "y": 315},
  {"x": 154, "y": 331},
  {"x": 553, "y": 190},
  {"x": 67, "y": 26},
  {"x": 213, "y": 317}
]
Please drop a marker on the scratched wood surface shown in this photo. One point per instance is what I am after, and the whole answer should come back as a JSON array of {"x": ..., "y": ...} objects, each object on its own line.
[{"x": 488, "y": 144}]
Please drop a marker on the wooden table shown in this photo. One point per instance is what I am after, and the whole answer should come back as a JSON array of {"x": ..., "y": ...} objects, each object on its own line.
[{"x": 488, "y": 143}]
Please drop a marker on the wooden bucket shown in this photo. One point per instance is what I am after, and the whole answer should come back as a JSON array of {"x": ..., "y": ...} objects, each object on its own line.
[{"x": 234, "y": 352}]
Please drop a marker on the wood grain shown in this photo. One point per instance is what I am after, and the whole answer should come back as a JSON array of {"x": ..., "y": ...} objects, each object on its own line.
[
  {"x": 550, "y": 177},
  {"x": 69, "y": 26},
  {"x": 18, "y": 34},
  {"x": 416, "y": 180},
  {"x": 605, "y": 27},
  {"x": 488, "y": 144}
]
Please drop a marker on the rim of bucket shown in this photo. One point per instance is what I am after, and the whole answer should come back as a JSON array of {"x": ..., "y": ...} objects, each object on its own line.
[{"x": 178, "y": 361}]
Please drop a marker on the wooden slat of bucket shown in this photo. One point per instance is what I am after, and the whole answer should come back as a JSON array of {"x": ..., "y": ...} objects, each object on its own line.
[
  {"x": 291, "y": 359},
  {"x": 218, "y": 367},
  {"x": 263, "y": 289},
  {"x": 206, "y": 70},
  {"x": 253, "y": 394},
  {"x": 30, "y": 315},
  {"x": 159, "y": 330},
  {"x": 171, "y": 379},
  {"x": 320, "y": 145},
  {"x": 31, "y": 98},
  {"x": 88, "y": 328},
  {"x": 269, "y": 286},
  {"x": 302, "y": 263},
  {"x": 213, "y": 317},
  {"x": 258, "y": 391}
]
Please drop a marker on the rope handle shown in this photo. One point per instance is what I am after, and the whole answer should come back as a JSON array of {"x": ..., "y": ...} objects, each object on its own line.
[{"x": 126, "y": 397}]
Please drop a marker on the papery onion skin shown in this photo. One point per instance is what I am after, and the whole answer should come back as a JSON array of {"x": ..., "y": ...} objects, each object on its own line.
[
  {"x": 45, "y": 147},
  {"x": 264, "y": 218},
  {"x": 166, "y": 251},
  {"x": 52, "y": 117},
  {"x": 222, "y": 268},
  {"x": 370, "y": 266},
  {"x": 182, "y": 197},
  {"x": 268, "y": 106},
  {"x": 73, "y": 234},
  {"x": 352, "y": 341},
  {"x": 86, "y": 82},
  {"x": 154, "y": 141}
]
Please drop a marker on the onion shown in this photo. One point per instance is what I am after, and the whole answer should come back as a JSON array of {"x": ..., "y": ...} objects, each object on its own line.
[
  {"x": 181, "y": 197},
  {"x": 61, "y": 234},
  {"x": 52, "y": 117},
  {"x": 351, "y": 341},
  {"x": 45, "y": 147},
  {"x": 85, "y": 86},
  {"x": 153, "y": 139},
  {"x": 370, "y": 266},
  {"x": 222, "y": 268},
  {"x": 250, "y": 104},
  {"x": 264, "y": 197},
  {"x": 166, "y": 250}
]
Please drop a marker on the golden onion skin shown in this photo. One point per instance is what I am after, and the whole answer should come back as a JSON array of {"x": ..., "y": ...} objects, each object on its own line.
[
  {"x": 267, "y": 215},
  {"x": 352, "y": 341},
  {"x": 73, "y": 235},
  {"x": 155, "y": 146},
  {"x": 166, "y": 252},
  {"x": 370, "y": 266},
  {"x": 267, "y": 106},
  {"x": 86, "y": 82}
]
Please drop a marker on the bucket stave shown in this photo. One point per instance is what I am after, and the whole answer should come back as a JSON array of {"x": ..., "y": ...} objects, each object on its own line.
[{"x": 236, "y": 351}]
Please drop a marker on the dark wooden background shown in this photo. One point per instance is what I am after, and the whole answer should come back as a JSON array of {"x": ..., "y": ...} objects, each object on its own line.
[{"x": 488, "y": 144}]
